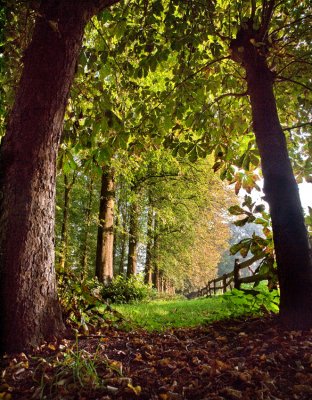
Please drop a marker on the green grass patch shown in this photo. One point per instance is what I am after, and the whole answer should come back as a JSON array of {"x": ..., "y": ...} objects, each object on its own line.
[{"x": 160, "y": 315}]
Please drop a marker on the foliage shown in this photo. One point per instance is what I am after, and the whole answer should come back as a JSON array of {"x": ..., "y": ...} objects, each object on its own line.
[
  {"x": 251, "y": 301},
  {"x": 308, "y": 221},
  {"x": 126, "y": 290},
  {"x": 16, "y": 26},
  {"x": 82, "y": 213},
  {"x": 84, "y": 308},
  {"x": 260, "y": 247},
  {"x": 189, "y": 209},
  {"x": 238, "y": 233}
]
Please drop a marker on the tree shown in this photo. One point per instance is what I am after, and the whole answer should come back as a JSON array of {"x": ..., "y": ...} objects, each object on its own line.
[
  {"x": 250, "y": 49},
  {"x": 65, "y": 214},
  {"x": 29, "y": 307},
  {"x": 224, "y": 56},
  {"x": 105, "y": 239}
]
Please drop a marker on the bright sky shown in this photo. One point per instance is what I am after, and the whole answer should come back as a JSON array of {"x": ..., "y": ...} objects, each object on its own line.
[{"x": 305, "y": 192}]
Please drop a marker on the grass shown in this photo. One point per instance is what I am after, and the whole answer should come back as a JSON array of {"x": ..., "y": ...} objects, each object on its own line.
[{"x": 160, "y": 315}]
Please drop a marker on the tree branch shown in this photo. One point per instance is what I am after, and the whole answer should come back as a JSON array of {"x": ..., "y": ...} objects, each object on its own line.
[
  {"x": 284, "y": 79},
  {"x": 253, "y": 9},
  {"x": 216, "y": 100},
  {"x": 291, "y": 23},
  {"x": 266, "y": 17},
  {"x": 289, "y": 128},
  {"x": 298, "y": 61}
]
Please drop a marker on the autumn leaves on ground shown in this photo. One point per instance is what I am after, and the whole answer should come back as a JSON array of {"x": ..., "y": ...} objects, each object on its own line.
[{"x": 242, "y": 358}]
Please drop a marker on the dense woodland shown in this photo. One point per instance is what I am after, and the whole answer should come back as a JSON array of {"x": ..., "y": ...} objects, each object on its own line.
[{"x": 129, "y": 127}]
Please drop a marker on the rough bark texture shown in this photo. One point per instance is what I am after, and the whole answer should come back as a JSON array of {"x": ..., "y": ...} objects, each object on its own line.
[
  {"x": 133, "y": 240},
  {"x": 105, "y": 238},
  {"x": 280, "y": 188},
  {"x": 30, "y": 312}
]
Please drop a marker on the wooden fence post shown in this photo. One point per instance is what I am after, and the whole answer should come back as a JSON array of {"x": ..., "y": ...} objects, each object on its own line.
[
  {"x": 236, "y": 274},
  {"x": 224, "y": 283}
]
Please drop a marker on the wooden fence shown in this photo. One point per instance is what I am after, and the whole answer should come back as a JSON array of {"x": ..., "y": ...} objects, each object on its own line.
[{"x": 231, "y": 280}]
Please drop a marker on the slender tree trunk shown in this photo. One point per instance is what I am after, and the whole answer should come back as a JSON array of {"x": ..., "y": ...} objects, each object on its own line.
[
  {"x": 123, "y": 245},
  {"x": 120, "y": 241},
  {"x": 281, "y": 191},
  {"x": 133, "y": 239},
  {"x": 105, "y": 238},
  {"x": 85, "y": 240},
  {"x": 116, "y": 237},
  {"x": 149, "y": 246},
  {"x": 122, "y": 254},
  {"x": 64, "y": 230},
  {"x": 155, "y": 256}
]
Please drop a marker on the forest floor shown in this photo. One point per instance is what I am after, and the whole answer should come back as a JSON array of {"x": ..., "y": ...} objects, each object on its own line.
[{"x": 248, "y": 359}]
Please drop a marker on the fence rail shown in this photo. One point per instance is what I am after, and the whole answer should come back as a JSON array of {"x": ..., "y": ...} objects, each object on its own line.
[{"x": 231, "y": 280}]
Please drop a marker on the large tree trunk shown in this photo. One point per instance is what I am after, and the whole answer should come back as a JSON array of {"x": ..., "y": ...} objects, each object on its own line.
[
  {"x": 281, "y": 192},
  {"x": 133, "y": 239},
  {"x": 30, "y": 312},
  {"x": 105, "y": 238}
]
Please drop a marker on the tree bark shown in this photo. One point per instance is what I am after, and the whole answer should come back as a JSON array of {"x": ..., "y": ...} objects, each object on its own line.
[
  {"x": 30, "y": 311},
  {"x": 105, "y": 238},
  {"x": 133, "y": 239},
  {"x": 120, "y": 240},
  {"x": 149, "y": 246},
  {"x": 293, "y": 257},
  {"x": 155, "y": 256}
]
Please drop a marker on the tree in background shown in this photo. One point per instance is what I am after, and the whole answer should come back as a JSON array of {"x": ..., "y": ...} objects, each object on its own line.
[{"x": 105, "y": 240}]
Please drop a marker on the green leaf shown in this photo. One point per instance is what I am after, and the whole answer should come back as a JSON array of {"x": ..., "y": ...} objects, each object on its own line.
[
  {"x": 242, "y": 222},
  {"x": 236, "y": 210},
  {"x": 259, "y": 208}
]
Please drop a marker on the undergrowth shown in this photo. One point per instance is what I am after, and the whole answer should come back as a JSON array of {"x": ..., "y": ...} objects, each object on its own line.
[
  {"x": 75, "y": 370},
  {"x": 84, "y": 307},
  {"x": 126, "y": 290},
  {"x": 87, "y": 305}
]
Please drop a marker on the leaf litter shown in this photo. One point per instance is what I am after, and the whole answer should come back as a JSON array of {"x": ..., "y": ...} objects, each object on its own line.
[{"x": 241, "y": 359}]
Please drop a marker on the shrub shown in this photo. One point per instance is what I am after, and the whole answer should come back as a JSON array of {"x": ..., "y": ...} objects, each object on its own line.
[
  {"x": 258, "y": 300},
  {"x": 126, "y": 290},
  {"x": 83, "y": 305}
]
